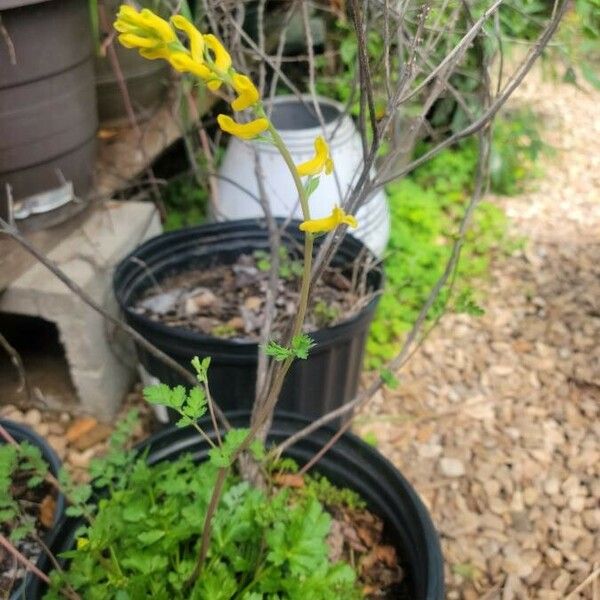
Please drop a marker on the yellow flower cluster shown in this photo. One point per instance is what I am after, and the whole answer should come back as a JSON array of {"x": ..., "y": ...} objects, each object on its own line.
[{"x": 206, "y": 58}]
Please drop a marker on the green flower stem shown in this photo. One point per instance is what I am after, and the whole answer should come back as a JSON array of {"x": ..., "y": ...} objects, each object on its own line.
[{"x": 289, "y": 161}]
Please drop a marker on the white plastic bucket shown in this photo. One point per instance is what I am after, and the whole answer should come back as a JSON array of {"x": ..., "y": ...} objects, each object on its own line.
[{"x": 299, "y": 126}]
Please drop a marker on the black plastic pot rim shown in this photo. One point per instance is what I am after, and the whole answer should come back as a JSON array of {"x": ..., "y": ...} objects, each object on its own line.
[{"x": 190, "y": 335}]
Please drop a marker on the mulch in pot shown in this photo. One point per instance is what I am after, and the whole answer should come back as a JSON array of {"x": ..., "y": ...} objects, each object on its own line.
[
  {"x": 357, "y": 538},
  {"x": 228, "y": 301}
]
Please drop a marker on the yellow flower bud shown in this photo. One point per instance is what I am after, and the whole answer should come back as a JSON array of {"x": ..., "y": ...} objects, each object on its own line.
[
  {"x": 245, "y": 131},
  {"x": 247, "y": 92},
  {"x": 195, "y": 37},
  {"x": 337, "y": 217},
  {"x": 82, "y": 543},
  {"x": 222, "y": 60},
  {"x": 321, "y": 160}
]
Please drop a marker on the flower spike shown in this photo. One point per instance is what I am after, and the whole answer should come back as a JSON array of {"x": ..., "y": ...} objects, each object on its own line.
[
  {"x": 321, "y": 160},
  {"x": 247, "y": 92},
  {"x": 245, "y": 131},
  {"x": 337, "y": 217}
]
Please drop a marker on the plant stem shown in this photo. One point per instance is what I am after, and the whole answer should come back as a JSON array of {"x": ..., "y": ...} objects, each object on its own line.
[
  {"x": 206, "y": 531},
  {"x": 289, "y": 161}
]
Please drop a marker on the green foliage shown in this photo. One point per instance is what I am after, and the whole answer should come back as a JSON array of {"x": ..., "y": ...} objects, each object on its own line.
[
  {"x": 290, "y": 268},
  {"x": 201, "y": 368},
  {"x": 223, "y": 456},
  {"x": 325, "y": 314},
  {"x": 143, "y": 542},
  {"x": 426, "y": 208},
  {"x": 321, "y": 489},
  {"x": 24, "y": 461},
  {"x": 185, "y": 201},
  {"x": 389, "y": 378},
  {"x": 301, "y": 345},
  {"x": 191, "y": 405},
  {"x": 312, "y": 183}
]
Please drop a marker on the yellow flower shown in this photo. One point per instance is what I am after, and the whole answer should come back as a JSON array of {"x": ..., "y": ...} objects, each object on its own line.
[
  {"x": 337, "y": 217},
  {"x": 195, "y": 37},
  {"x": 144, "y": 24},
  {"x": 184, "y": 63},
  {"x": 320, "y": 161},
  {"x": 222, "y": 60},
  {"x": 246, "y": 131},
  {"x": 247, "y": 92},
  {"x": 82, "y": 543}
]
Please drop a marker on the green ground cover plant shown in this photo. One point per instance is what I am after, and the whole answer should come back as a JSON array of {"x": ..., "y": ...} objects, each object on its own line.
[{"x": 426, "y": 208}]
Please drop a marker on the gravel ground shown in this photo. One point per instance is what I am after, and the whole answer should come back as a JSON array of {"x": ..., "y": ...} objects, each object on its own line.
[{"x": 496, "y": 419}]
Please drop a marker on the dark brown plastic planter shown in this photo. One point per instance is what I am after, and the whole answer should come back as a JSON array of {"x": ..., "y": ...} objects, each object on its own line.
[
  {"x": 328, "y": 379},
  {"x": 47, "y": 98}
]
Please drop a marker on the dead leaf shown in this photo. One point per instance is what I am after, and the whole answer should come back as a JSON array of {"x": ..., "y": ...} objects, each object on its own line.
[
  {"x": 80, "y": 427},
  {"x": 47, "y": 510},
  {"x": 289, "y": 480}
]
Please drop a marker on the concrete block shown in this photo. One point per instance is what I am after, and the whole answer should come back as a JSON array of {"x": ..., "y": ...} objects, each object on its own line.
[{"x": 101, "y": 361}]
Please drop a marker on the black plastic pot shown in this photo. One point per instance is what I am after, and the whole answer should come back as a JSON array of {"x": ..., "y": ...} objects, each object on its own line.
[
  {"x": 21, "y": 433},
  {"x": 351, "y": 463},
  {"x": 328, "y": 379}
]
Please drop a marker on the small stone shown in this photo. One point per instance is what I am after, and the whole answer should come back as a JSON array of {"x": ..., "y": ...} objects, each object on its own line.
[
  {"x": 59, "y": 445},
  {"x": 530, "y": 496},
  {"x": 585, "y": 546},
  {"x": 491, "y": 487},
  {"x": 551, "y": 486},
  {"x": 81, "y": 460},
  {"x": 577, "y": 503},
  {"x": 561, "y": 583},
  {"x": 497, "y": 506},
  {"x": 33, "y": 417},
  {"x": 591, "y": 519},
  {"x": 429, "y": 450},
  {"x": 451, "y": 467},
  {"x": 56, "y": 428},
  {"x": 253, "y": 303},
  {"x": 554, "y": 557},
  {"x": 42, "y": 429},
  {"x": 520, "y": 521}
]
